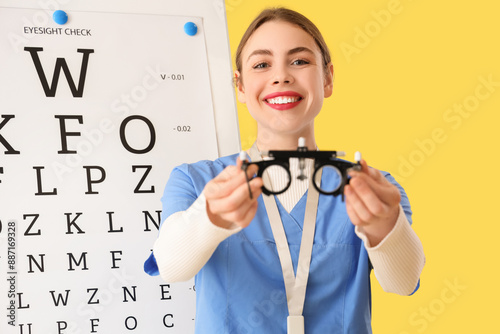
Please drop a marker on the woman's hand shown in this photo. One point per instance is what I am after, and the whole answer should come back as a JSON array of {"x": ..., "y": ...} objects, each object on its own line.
[
  {"x": 372, "y": 202},
  {"x": 228, "y": 199}
]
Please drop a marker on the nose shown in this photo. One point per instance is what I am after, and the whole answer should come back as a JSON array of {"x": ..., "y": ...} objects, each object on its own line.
[
  {"x": 277, "y": 81},
  {"x": 282, "y": 76}
]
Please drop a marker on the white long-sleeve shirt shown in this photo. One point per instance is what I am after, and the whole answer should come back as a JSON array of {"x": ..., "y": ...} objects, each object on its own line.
[{"x": 188, "y": 238}]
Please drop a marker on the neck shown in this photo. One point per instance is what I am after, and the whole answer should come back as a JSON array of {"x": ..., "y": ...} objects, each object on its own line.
[{"x": 268, "y": 140}]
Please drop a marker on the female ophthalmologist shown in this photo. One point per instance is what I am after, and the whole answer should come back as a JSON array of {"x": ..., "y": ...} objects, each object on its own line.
[{"x": 297, "y": 262}]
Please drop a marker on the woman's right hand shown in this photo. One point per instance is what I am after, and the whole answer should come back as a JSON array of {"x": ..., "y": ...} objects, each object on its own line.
[{"x": 228, "y": 200}]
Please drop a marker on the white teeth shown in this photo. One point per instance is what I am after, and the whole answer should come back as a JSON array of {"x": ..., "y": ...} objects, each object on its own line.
[{"x": 283, "y": 100}]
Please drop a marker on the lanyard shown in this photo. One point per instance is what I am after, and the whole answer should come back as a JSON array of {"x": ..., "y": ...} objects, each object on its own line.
[{"x": 295, "y": 286}]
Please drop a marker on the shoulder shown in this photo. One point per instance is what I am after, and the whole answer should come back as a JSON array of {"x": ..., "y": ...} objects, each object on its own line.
[
  {"x": 206, "y": 168},
  {"x": 187, "y": 181},
  {"x": 199, "y": 173}
]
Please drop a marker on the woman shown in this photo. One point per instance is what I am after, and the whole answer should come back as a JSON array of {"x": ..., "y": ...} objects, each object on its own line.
[{"x": 254, "y": 273}]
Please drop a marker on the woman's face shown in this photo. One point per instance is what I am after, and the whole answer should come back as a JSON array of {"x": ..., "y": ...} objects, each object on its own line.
[{"x": 282, "y": 79}]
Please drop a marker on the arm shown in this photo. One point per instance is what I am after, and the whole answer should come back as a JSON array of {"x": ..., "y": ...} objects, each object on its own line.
[
  {"x": 186, "y": 242},
  {"x": 195, "y": 226},
  {"x": 398, "y": 259},
  {"x": 377, "y": 209}
]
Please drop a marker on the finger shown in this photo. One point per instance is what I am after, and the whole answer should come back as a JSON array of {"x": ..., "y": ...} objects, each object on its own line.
[
  {"x": 358, "y": 207},
  {"x": 351, "y": 212},
  {"x": 225, "y": 183},
  {"x": 366, "y": 201},
  {"x": 383, "y": 189},
  {"x": 376, "y": 175},
  {"x": 250, "y": 214},
  {"x": 241, "y": 215},
  {"x": 252, "y": 170},
  {"x": 251, "y": 191},
  {"x": 230, "y": 172},
  {"x": 236, "y": 199},
  {"x": 364, "y": 166},
  {"x": 372, "y": 172}
]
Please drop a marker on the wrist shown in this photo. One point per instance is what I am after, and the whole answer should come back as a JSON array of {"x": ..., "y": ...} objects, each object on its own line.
[{"x": 376, "y": 232}]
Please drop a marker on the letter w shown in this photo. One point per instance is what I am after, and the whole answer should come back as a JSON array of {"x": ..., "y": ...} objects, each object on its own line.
[
  {"x": 60, "y": 64},
  {"x": 60, "y": 298}
]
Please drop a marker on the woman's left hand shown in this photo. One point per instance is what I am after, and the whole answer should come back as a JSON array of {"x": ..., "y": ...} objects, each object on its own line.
[{"x": 372, "y": 203}]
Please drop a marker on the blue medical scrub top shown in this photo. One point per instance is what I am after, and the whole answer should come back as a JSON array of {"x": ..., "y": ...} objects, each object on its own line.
[{"x": 241, "y": 289}]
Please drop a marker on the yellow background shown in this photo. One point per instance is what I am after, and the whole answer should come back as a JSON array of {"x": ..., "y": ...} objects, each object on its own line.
[{"x": 398, "y": 80}]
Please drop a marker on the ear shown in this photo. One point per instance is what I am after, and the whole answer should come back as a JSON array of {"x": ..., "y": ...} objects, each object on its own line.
[
  {"x": 329, "y": 76},
  {"x": 239, "y": 86}
]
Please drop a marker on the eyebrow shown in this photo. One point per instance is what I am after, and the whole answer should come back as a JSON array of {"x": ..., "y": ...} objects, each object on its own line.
[
  {"x": 290, "y": 52},
  {"x": 300, "y": 49},
  {"x": 260, "y": 52}
]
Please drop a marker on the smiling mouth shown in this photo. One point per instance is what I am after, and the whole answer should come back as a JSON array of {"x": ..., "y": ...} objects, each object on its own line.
[{"x": 283, "y": 99}]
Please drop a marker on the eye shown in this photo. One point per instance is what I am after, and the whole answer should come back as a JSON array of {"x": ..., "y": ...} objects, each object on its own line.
[
  {"x": 300, "y": 62},
  {"x": 261, "y": 65}
]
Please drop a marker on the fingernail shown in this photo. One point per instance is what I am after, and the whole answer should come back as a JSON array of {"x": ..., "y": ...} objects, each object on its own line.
[{"x": 243, "y": 155}]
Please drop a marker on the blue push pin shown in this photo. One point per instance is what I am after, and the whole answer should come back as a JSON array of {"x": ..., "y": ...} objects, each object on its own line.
[
  {"x": 60, "y": 17},
  {"x": 190, "y": 28}
]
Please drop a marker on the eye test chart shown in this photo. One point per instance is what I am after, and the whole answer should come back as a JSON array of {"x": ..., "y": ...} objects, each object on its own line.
[{"x": 96, "y": 110}]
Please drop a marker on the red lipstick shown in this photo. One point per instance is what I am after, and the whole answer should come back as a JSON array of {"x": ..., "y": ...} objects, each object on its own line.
[{"x": 283, "y": 106}]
